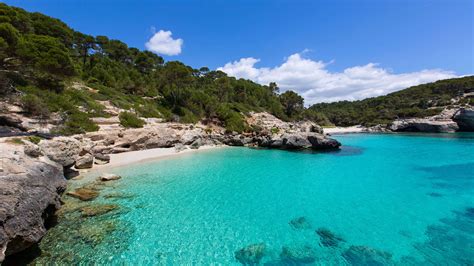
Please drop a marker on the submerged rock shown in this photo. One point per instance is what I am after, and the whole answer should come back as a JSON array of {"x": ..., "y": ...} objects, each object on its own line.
[
  {"x": 328, "y": 238},
  {"x": 84, "y": 194},
  {"x": 298, "y": 255},
  {"x": 100, "y": 209},
  {"x": 119, "y": 196},
  {"x": 109, "y": 177},
  {"x": 300, "y": 223},
  {"x": 251, "y": 255},
  {"x": 362, "y": 255}
]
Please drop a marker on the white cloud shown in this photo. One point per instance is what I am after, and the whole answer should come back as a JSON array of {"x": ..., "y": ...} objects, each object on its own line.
[
  {"x": 317, "y": 84},
  {"x": 162, "y": 43}
]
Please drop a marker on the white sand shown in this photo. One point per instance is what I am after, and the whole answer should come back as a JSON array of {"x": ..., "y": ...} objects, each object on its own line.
[
  {"x": 125, "y": 158},
  {"x": 338, "y": 130}
]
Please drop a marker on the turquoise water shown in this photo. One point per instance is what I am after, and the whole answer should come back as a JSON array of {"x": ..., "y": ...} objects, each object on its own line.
[{"x": 401, "y": 199}]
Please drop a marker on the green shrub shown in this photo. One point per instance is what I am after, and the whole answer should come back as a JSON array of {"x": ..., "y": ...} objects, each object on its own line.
[
  {"x": 16, "y": 141},
  {"x": 128, "y": 119},
  {"x": 77, "y": 123},
  {"x": 232, "y": 120},
  {"x": 34, "y": 139},
  {"x": 34, "y": 106}
]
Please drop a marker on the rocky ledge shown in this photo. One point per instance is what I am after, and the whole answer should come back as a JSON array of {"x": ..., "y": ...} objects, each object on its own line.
[
  {"x": 449, "y": 121},
  {"x": 30, "y": 190}
]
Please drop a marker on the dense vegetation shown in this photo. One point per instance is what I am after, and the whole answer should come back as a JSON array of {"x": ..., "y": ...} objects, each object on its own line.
[
  {"x": 53, "y": 69},
  {"x": 418, "y": 101}
]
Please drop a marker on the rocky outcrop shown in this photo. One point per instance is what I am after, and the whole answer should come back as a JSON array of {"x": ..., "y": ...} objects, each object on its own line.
[
  {"x": 63, "y": 150},
  {"x": 448, "y": 121},
  {"x": 464, "y": 117},
  {"x": 84, "y": 162},
  {"x": 424, "y": 125},
  {"x": 30, "y": 191},
  {"x": 297, "y": 141}
]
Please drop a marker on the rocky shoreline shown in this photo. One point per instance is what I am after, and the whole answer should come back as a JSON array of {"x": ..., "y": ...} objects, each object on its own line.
[{"x": 32, "y": 177}]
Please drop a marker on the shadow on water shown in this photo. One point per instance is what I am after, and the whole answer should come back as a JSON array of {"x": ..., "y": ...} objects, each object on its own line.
[
  {"x": 451, "y": 177},
  {"x": 451, "y": 242}
]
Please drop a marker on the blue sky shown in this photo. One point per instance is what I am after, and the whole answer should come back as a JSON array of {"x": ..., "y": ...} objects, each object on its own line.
[{"x": 396, "y": 36}]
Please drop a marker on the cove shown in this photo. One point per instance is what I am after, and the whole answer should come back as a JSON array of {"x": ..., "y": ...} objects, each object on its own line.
[{"x": 384, "y": 199}]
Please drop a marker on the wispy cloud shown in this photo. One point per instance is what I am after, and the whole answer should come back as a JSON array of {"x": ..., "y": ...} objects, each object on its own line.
[
  {"x": 163, "y": 43},
  {"x": 316, "y": 83}
]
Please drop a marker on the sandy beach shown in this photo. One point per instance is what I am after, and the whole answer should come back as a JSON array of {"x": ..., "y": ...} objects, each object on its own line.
[
  {"x": 340, "y": 130},
  {"x": 125, "y": 158}
]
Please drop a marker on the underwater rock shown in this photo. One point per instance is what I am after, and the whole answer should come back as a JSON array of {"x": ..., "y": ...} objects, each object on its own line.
[
  {"x": 95, "y": 210},
  {"x": 300, "y": 223},
  {"x": 435, "y": 194},
  {"x": 328, "y": 238},
  {"x": 362, "y": 255},
  {"x": 298, "y": 255},
  {"x": 83, "y": 194},
  {"x": 118, "y": 196},
  {"x": 251, "y": 254},
  {"x": 109, "y": 177}
]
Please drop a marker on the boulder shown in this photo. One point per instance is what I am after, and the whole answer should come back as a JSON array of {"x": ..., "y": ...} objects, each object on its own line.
[
  {"x": 465, "y": 119},
  {"x": 30, "y": 191},
  {"x": 101, "y": 158},
  {"x": 63, "y": 150},
  {"x": 295, "y": 141},
  {"x": 424, "y": 125},
  {"x": 32, "y": 150},
  {"x": 85, "y": 162},
  {"x": 321, "y": 142},
  {"x": 109, "y": 177}
]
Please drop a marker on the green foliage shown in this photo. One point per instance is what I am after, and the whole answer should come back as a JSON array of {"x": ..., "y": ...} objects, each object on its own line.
[
  {"x": 34, "y": 106},
  {"x": 233, "y": 121},
  {"x": 34, "y": 139},
  {"x": 16, "y": 141},
  {"x": 77, "y": 123},
  {"x": 293, "y": 104},
  {"x": 130, "y": 120},
  {"x": 418, "y": 101}
]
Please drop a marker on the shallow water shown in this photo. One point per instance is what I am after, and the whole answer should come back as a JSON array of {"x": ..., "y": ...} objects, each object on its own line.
[{"x": 384, "y": 199}]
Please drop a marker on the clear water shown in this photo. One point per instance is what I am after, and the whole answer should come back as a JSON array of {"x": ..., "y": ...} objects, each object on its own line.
[{"x": 407, "y": 199}]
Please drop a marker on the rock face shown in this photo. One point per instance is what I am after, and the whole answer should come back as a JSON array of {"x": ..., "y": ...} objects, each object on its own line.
[
  {"x": 63, "y": 150},
  {"x": 424, "y": 125},
  {"x": 30, "y": 191},
  {"x": 465, "y": 119}
]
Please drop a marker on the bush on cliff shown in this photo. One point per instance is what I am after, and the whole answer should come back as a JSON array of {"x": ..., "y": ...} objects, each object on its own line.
[{"x": 130, "y": 120}]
